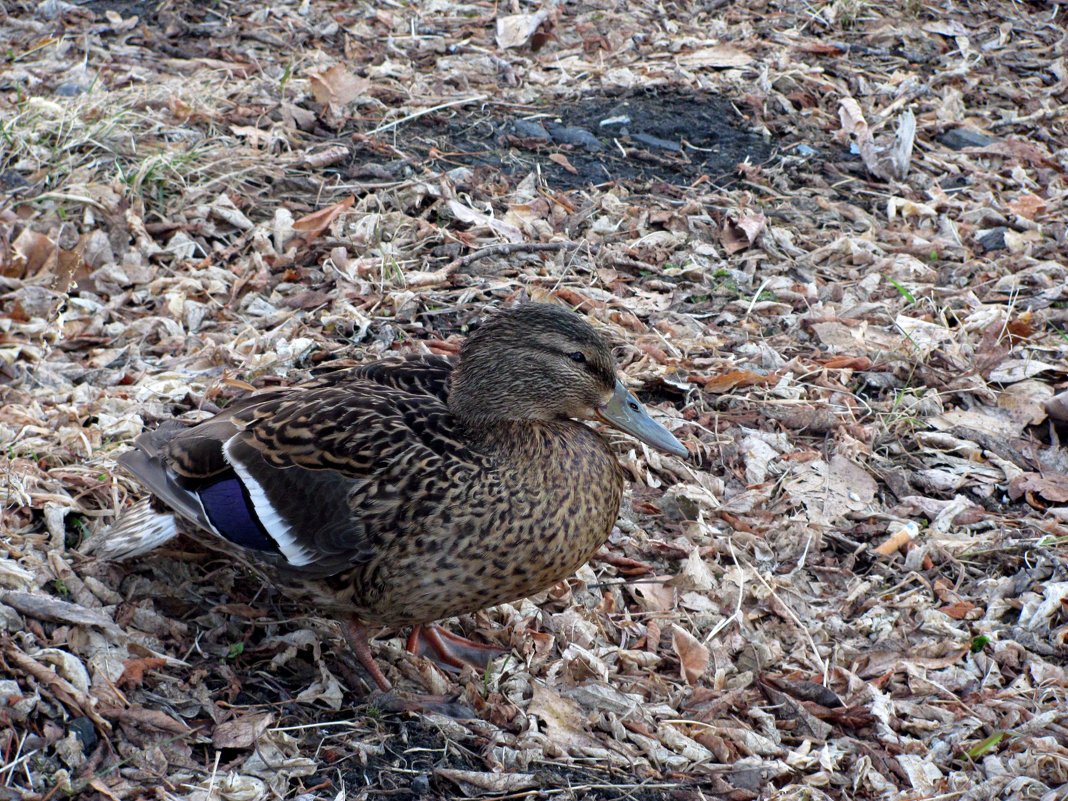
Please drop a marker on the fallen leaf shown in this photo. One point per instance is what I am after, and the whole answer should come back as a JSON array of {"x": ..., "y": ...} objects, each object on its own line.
[
  {"x": 469, "y": 215},
  {"x": 562, "y": 719},
  {"x": 1013, "y": 370},
  {"x": 693, "y": 656},
  {"x": 1027, "y": 152},
  {"x": 241, "y": 732},
  {"x": 475, "y": 783},
  {"x": 742, "y": 233},
  {"x": 1026, "y": 401},
  {"x": 962, "y": 610},
  {"x": 848, "y": 363},
  {"x": 337, "y": 86},
  {"x": 32, "y": 252},
  {"x": 318, "y": 221},
  {"x": 715, "y": 57},
  {"x": 653, "y": 596},
  {"x": 1052, "y": 487},
  {"x": 1028, "y": 206},
  {"x": 561, "y": 159},
  {"x": 887, "y": 162},
  {"x": 133, "y": 670},
  {"x": 695, "y": 574},
  {"x": 725, "y": 382},
  {"x": 45, "y": 607},
  {"x": 516, "y": 30}
]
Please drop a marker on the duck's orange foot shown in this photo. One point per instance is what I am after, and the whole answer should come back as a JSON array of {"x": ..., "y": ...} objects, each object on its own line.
[
  {"x": 451, "y": 651},
  {"x": 356, "y": 635}
]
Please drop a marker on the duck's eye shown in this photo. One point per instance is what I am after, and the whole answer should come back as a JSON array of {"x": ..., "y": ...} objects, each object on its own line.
[{"x": 578, "y": 357}]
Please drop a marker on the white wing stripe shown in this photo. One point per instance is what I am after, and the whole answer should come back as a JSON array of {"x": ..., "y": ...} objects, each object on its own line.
[{"x": 269, "y": 517}]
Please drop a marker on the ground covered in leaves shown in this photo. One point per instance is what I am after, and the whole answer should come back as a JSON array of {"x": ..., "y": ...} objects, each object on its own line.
[{"x": 829, "y": 243}]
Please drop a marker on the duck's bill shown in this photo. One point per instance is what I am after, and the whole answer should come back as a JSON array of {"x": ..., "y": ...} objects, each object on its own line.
[{"x": 625, "y": 412}]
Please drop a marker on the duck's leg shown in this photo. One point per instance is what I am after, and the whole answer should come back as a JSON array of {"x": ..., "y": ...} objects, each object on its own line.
[
  {"x": 356, "y": 635},
  {"x": 450, "y": 650}
]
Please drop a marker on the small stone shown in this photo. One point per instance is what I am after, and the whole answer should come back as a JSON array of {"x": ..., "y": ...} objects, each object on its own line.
[
  {"x": 84, "y": 730},
  {"x": 960, "y": 138},
  {"x": 656, "y": 142},
  {"x": 992, "y": 239},
  {"x": 421, "y": 785}
]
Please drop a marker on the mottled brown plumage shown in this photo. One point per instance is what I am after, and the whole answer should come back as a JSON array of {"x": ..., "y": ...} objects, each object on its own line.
[{"x": 411, "y": 489}]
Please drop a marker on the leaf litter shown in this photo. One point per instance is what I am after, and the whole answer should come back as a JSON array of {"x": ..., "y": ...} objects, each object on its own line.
[{"x": 856, "y": 587}]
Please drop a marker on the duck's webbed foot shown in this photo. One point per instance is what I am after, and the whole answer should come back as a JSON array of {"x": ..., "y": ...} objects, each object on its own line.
[
  {"x": 451, "y": 651},
  {"x": 356, "y": 636}
]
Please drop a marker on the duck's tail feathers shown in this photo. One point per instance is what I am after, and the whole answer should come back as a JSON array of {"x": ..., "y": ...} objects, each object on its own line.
[{"x": 140, "y": 529}]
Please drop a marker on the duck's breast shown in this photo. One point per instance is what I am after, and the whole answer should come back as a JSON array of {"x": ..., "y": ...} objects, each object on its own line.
[{"x": 507, "y": 532}]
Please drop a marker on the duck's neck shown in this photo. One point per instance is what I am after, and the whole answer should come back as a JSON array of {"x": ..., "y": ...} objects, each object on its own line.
[{"x": 482, "y": 397}]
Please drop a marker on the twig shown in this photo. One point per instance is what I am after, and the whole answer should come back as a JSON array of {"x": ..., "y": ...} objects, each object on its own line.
[
  {"x": 416, "y": 115},
  {"x": 737, "y": 614},
  {"x": 59, "y": 688},
  {"x": 431, "y": 277},
  {"x": 508, "y": 248}
]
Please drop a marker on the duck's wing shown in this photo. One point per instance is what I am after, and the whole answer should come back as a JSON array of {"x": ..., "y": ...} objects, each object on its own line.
[
  {"x": 416, "y": 375},
  {"x": 312, "y": 478},
  {"x": 195, "y": 451}
]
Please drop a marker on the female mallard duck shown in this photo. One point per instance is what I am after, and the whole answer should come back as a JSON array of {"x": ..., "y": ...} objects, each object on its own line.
[{"x": 409, "y": 489}]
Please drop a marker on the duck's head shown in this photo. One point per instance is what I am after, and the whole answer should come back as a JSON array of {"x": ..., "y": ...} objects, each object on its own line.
[{"x": 542, "y": 362}]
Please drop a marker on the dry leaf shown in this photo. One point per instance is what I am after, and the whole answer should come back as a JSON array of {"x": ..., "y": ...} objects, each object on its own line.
[
  {"x": 516, "y": 30},
  {"x": 831, "y": 491},
  {"x": 962, "y": 610},
  {"x": 1028, "y": 206},
  {"x": 318, "y": 221},
  {"x": 653, "y": 596},
  {"x": 476, "y": 783},
  {"x": 741, "y": 233},
  {"x": 715, "y": 57},
  {"x": 889, "y": 163},
  {"x": 693, "y": 656},
  {"x": 241, "y": 732},
  {"x": 32, "y": 253},
  {"x": 133, "y": 670},
  {"x": 1012, "y": 370},
  {"x": 561, "y": 159},
  {"x": 46, "y": 607},
  {"x": 725, "y": 382},
  {"x": 337, "y": 86},
  {"x": 848, "y": 363},
  {"x": 465, "y": 213},
  {"x": 695, "y": 574},
  {"x": 562, "y": 719},
  {"x": 1053, "y": 487},
  {"x": 1025, "y": 402}
]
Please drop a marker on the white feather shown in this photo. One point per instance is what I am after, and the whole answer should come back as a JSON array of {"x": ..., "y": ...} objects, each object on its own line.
[
  {"x": 138, "y": 530},
  {"x": 269, "y": 517}
]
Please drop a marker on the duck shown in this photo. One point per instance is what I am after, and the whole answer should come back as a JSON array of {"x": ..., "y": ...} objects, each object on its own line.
[{"x": 410, "y": 489}]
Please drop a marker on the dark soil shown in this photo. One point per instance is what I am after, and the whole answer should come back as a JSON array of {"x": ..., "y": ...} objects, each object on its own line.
[{"x": 677, "y": 137}]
